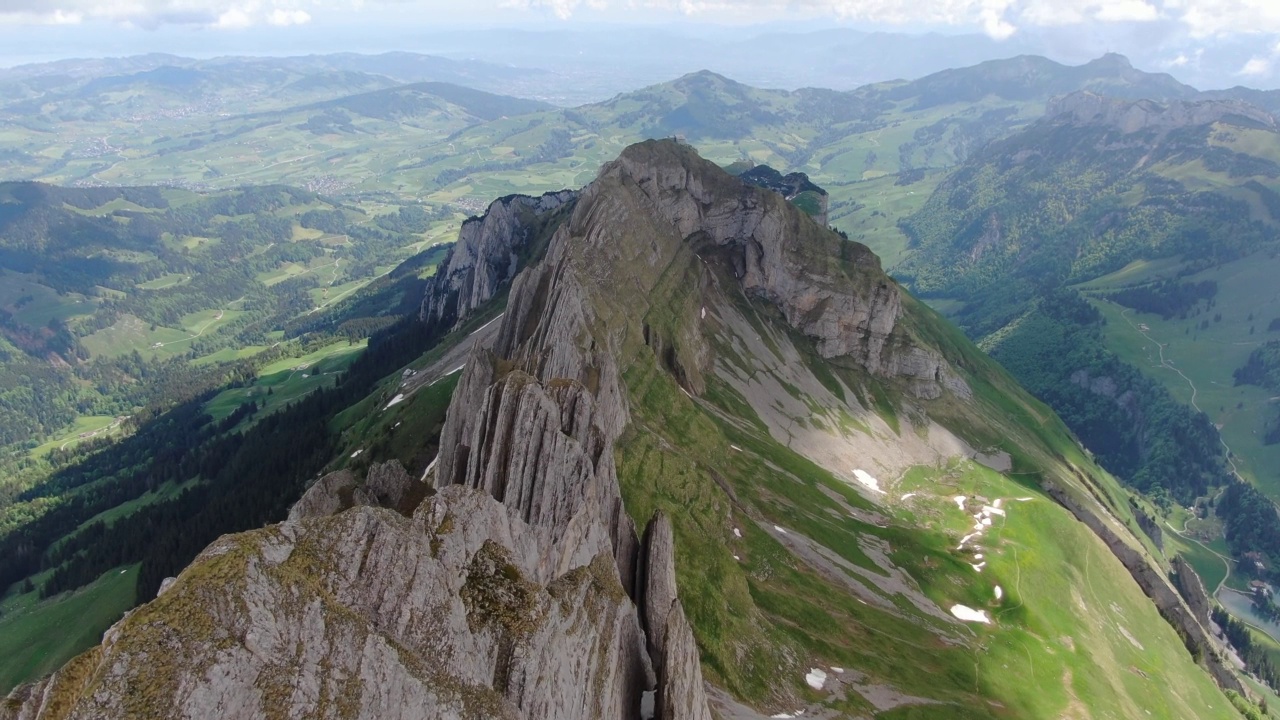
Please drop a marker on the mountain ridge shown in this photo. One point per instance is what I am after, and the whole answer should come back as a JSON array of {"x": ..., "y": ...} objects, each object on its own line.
[{"x": 525, "y": 567}]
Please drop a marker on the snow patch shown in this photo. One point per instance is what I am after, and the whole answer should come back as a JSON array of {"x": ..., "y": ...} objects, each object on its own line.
[
  {"x": 865, "y": 478},
  {"x": 704, "y": 313},
  {"x": 968, "y": 614},
  {"x": 999, "y": 592},
  {"x": 735, "y": 448},
  {"x": 775, "y": 527},
  {"x": 737, "y": 533},
  {"x": 430, "y": 466},
  {"x": 991, "y": 510},
  {"x": 979, "y": 566},
  {"x": 433, "y": 382},
  {"x": 489, "y": 323},
  {"x": 816, "y": 678},
  {"x": 909, "y": 495},
  {"x": 357, "y": 452},
  {"x": 395, "y": 401},
  {"x": 997, "y": 502},
  {"x": 838, "y": 671},
  {"x": 959, "y": 501}
]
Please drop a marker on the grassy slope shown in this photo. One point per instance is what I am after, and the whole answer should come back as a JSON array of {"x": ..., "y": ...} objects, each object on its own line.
[
  {"x": 1042, "y": 655},
  {"x": 1059, "y": 643},
  {"x": 1208, "y": 357},
  {"x": 36, "y": 638}
]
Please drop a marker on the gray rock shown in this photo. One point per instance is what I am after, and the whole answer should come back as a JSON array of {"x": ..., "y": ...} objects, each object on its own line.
[
  {"x": 386, "y": 485},
  {"x": 681, "y": 694},
  {"x": 659, "y": 582},
  {"x": 367, "y": 614},
  {"x": 325, "y": 496},
  {"x": 486, "y": 255}
]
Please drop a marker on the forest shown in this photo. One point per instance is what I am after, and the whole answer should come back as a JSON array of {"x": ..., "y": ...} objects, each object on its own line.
[
  {"x": 1131, "y": 423},
  {"x": 1262, "y": 368},
  {"x": 238, "y": 473},
  {"x": 1166, "y": 298}
]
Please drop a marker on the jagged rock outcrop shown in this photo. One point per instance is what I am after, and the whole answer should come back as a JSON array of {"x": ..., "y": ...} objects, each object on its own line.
[
  {"x": 846, "y": 304},
  {"x": 386, "y": 485},
  {"x": 367, "y": 614},
  {"x": 1129, "y": 116},
  {"x": 487, "y": 254},
  {"x": 659, "y": 582}
]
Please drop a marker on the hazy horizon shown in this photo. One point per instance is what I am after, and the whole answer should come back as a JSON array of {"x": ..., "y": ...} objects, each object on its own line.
[{"x": 1209, "y": 44}]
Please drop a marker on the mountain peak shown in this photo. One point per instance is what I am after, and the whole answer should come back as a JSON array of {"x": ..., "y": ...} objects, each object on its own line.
[{"x": 1111, "y": 61}]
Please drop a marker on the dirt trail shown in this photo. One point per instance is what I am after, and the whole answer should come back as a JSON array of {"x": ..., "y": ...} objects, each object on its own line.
[{"x": 1168, "y": 365}]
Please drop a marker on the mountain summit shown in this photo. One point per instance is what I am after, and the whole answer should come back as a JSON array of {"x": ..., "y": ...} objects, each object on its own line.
[{"x": 711, "y": 458}]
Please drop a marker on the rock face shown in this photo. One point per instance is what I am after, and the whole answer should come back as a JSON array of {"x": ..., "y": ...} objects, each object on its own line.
[
  {"x": 518, "y": 588},
  {"x": 387, "y": 485},
  {"x": 1133, "y": 116},
  {"x": 367, "y": 614},
  {"x": 843, "y": 301},
  {"x": 488, "y": 254}
]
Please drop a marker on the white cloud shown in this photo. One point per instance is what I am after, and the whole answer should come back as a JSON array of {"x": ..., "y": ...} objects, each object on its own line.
[
  {"x": 219, "y": 14},
  {"x": 1127, "y": 11},
  {"x": 233, "y": 19},
  {"x": 1256, "y": 66},
  {"x": 281, "y": 18},
  {"x": 998, "y": 18}
]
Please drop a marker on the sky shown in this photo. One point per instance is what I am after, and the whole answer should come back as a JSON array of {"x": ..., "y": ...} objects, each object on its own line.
[{"x": 37, "y": 30}]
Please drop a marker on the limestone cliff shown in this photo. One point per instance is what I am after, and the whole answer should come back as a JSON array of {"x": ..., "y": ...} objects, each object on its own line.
[{"x": 489, "y": 252}]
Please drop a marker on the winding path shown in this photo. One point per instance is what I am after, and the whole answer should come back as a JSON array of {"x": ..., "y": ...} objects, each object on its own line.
[{"x": 1168, "y": 365}]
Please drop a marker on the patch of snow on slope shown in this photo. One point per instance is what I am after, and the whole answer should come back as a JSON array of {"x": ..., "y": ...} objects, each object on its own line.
[
  {"x": 816, "y": 678},
  {"x": 968, "y": 614},
  {"x": 865, "y": 478}
]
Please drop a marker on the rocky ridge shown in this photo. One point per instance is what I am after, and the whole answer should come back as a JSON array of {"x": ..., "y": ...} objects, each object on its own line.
[
  {"x": 1129, "y": 116},
  {"x": 489, "y": 252},
  {"x": 519, "y": 587}
]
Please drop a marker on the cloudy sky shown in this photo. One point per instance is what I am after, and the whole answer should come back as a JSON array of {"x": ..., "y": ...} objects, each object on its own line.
[{"x": 32, "y": 30}]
